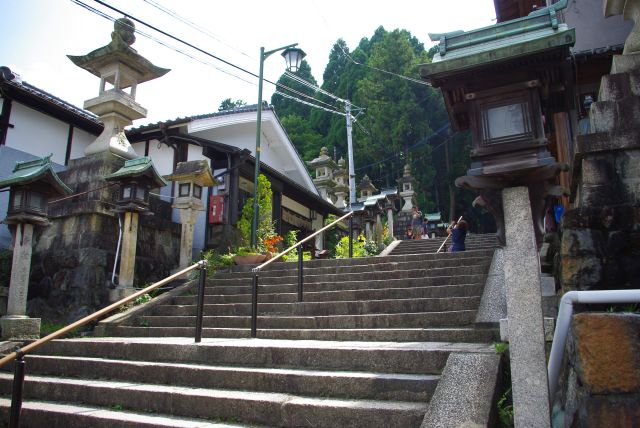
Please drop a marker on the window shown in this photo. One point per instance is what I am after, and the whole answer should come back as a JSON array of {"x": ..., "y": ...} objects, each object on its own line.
[
  {"x": 197, "y": 191},
  {"x": 184, "y": 189}
]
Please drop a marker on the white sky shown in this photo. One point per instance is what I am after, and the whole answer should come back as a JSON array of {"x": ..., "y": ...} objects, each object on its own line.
[{"x": 36, "y": 36}]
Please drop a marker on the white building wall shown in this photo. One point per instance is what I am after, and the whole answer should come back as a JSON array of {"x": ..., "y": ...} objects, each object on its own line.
[
  {"x": 37, "y": 133},
  {"x": 81, "y": 139}
]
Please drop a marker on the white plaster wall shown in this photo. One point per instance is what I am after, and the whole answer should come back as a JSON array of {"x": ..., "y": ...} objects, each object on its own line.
[
  {"x": 81, "y": 139},
  {"x": 36, "y": 133}
]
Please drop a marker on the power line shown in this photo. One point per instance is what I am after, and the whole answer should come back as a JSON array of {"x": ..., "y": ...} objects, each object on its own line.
[
  {"x": 194, "y": 25},
  {"x": 410, "y": 79},
  {"x": 420, "y": 142},
  {"x": 282, "y": 94},
  {"x": 100, "y": 13}
]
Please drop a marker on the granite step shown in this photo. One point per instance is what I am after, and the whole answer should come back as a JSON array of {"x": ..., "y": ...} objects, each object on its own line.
[
  {"x": 334, "y": 308},
  {"x": 63, "y": 415},
  {"x": 399, "y": 320},
  {"x": 460, "y": 290},
  {"x": 436, "y": 334}
]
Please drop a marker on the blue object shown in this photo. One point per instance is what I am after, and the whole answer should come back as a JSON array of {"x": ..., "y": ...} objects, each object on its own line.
[{"x": 558, "y": 210}]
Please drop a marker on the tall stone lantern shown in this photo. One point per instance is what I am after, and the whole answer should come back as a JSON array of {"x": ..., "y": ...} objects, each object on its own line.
[
  {"x": 406, "y": 189},
  {"x": 341, "y": 189},
  {"x": 119, "y": 67},
  {"x": 136, "y": 178},
  {"x": 324, "y": 167},
  {"x": 192, "y": 177},
  {"x": 31, "y": 185}
]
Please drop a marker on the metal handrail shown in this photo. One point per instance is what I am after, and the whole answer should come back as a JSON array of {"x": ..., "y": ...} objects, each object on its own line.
[
  {"x": 298, "y": 245},
  {"x": 18, "y": 355},
  {"x": 313, "y": 235}
]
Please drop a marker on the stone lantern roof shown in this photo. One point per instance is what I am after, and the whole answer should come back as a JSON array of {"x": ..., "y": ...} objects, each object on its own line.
[
  {"x": 366, "y": 184},
  {"x": 323, "y": 160},
  {"x": 41, "y": 169},
  {"x": 120, "y": 52},
  {"x": 139, "y": 168},
  {"x": 197, "y": 171}
]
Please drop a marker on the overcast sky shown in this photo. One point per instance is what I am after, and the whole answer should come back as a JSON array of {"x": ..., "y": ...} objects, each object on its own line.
[{"x": 36, "y": 36}]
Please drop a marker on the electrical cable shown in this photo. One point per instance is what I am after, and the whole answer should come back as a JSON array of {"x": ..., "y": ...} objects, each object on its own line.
[
  {"x": 282, "y": 94},
  {"x": 100, "y": 13},
  {"x": 410, "y": 79},
  {"x": 194, "y": 26}
]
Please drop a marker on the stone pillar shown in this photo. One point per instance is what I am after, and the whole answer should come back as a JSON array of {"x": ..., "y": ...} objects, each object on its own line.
[
  {"x": 127, "y": 257},
  {"x": 188, "y": 218},
  {"x": 16, "y": 325},
  {"x": 524, "y": 310},
  {"x": 367, "y": 230},
  {"x": 390, "y": 221}
]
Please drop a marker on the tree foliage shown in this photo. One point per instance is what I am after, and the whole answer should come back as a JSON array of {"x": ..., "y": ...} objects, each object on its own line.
[
  {"x": 400, "y": 121},
  {"x": 229, "y": 104}
]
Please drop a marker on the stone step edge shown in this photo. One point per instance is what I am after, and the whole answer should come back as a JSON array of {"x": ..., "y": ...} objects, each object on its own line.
[
  {"x": 95, "y": 416},
  {"x": 120, "y": 388}
]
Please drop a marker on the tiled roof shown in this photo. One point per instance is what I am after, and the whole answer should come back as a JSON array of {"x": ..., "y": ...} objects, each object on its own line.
[{"x": 7, "y": 77}]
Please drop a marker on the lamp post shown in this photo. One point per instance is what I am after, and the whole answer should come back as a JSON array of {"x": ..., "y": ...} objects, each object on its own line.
[{"x": 293, "y": 57}]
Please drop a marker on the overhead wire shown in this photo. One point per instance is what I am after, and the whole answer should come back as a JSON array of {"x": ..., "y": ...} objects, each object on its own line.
[
  {"x": 410, "y": 79},
  {"x": 194, "y": 26},
  {"x": 104, "y": 15}
]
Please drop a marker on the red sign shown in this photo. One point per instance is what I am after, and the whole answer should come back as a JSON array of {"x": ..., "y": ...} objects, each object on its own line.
[{"x": 216, "y": 209}]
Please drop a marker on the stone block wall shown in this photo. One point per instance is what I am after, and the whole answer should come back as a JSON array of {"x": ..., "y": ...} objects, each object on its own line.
[
  {"x": 73, "y": 257},
  {"x": 603, "y": 382}
]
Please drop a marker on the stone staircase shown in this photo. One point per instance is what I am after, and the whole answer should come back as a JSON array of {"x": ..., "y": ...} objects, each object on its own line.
[
  {"x": 366, "y": 348},
  {"x": 419, "y": 246}
]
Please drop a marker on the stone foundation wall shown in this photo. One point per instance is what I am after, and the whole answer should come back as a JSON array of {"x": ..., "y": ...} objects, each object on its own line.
[
  {"x": 73, "y": 258},
  {"x": 603, "y": 381}
]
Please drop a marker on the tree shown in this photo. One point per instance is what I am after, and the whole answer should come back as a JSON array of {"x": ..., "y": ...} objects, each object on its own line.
[
  {"x": 285, "y": 106},
  {"x": 228, "y": 104}
]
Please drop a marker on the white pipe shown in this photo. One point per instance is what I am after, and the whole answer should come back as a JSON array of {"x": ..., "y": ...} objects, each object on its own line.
[
  {"x": 565, "y": 311},
  {"x": 115, "y": 262}
]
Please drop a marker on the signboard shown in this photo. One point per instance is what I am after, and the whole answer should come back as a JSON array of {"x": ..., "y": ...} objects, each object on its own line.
[{"x": 216, "y": 209}]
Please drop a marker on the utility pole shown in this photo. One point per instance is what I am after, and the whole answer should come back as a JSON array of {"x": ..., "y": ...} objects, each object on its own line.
[{"x": 352, "y": 174}]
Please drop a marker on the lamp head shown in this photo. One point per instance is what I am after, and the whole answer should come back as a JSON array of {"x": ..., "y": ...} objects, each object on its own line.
[{"x": 293, "y": 57}]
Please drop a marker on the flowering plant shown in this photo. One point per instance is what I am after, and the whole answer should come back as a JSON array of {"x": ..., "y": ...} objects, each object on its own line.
[{"x": 271, "y": 242}]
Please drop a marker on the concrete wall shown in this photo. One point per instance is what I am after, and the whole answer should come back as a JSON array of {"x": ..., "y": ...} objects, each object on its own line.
[{"x": 593, "y": 31}]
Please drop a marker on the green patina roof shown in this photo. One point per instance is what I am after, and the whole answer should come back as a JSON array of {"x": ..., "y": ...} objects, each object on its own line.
[
  {"x": 40, "y": 169},
  {"x": 139, "y": 167},
  {"x": 535, "y": 33}
]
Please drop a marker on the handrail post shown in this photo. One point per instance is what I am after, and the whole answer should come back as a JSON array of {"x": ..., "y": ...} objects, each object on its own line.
[
  {"x": 351, "y": 237},
  {"x": 254, "y": 304},
  {"x": 300, "y": 280},
  {"x": 16, "y": 391},
  {"x": 200, "y": 310}
]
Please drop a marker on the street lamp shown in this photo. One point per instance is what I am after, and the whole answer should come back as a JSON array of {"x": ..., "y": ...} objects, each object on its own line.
[{"x": 293, "y": 57}]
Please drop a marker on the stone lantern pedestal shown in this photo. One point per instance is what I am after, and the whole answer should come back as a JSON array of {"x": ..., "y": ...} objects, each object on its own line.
[{"x": 191, "y": 178}]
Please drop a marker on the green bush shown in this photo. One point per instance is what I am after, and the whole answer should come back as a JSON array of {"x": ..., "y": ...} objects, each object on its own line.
[{"x": 362, "y": 247}]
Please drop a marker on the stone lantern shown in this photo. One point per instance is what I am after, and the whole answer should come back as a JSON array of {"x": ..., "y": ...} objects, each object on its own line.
[
  {"x": 324, "y": 167},
  {"x": 504, "y": 83},
  {"x": 119, "y": 67},
  {"x": 366, "y": 188},
  {"x": 136, "y": 178},
  {"x": 341, "y": 189},
  {"x": 191, "y": 177},
  {"x": 31, "y": 185},
  {"x": 406, "y": 189}
]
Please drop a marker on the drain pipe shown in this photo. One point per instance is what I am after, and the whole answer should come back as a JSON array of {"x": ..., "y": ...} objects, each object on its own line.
[
  {"x": 115, "y": 262},
  {"x": 565, "y": 311}
]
